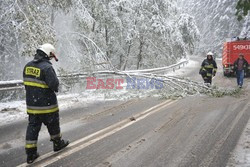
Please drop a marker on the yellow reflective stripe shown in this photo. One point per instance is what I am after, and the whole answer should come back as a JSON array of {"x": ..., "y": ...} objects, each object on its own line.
[
  {"x": 30, "y": 111},
  {"x": 209, "y": 75},
  {"x": 35, "y": 84},
  {"x": 209, "y": 66},
  {"x": 215, "y": 69},
  {"x": 36, "y": 80},
  {"x": 30, "y": 145},
  {"x": 42, "y": 107}
]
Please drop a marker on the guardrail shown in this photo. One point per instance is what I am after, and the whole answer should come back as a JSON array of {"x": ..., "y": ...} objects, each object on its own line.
[
  {"x": 18, "y": 84},
  {"x": 160, "y": 69},
  {"x": 11, "y": 85}
]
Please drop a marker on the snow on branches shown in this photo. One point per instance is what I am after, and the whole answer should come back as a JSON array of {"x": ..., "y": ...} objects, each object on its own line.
[
  {"x": 24, "y": 26},
  {"x": 140, "y": 83},
  {"x": 125, "y": 34}
]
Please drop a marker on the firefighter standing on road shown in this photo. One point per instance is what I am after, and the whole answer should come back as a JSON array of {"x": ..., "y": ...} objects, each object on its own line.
[
  {"x": 208, "y": 68},
  {"x": 41, "y": 83},
  {"x": 240, "y": 67}
]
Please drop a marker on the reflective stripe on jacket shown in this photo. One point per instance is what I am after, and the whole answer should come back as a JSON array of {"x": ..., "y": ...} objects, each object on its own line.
[
  {"x": 42, "y": 110},
  {"x": 35, "y": 83}
]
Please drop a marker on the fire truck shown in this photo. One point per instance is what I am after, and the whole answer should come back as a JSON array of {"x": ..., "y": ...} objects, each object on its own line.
[{"x": 231, "y": 51}]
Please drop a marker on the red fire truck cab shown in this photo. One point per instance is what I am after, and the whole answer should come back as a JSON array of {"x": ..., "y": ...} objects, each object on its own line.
[{"x": 231, "y": 51}]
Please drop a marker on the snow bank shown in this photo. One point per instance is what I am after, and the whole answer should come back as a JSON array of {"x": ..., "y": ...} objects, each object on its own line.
[
  {"x": 12, "y": 111},
  {"x": 240, "y": 157},
  {"x": 16, "y": 110}
]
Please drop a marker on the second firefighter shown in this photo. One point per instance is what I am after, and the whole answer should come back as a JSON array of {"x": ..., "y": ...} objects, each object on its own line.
[{"x": 208, "y": 68}]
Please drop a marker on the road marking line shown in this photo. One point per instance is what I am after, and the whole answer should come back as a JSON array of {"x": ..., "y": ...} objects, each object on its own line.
[{"x": 97, "y": 136}]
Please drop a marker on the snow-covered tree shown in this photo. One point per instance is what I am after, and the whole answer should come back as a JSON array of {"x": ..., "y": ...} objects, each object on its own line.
[
  {"x": 216, "y": 22},
  {"x": 103, "y": 34},
  {"x": 243, "y": 7},
  {"x": 24, "y": 25},
  {"x": 136, "y": 34}
]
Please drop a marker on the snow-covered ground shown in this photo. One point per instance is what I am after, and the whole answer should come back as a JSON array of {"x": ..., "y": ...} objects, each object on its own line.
[
  {"x": 240, "y": 157},
  {"x": 16, "y": 110}
]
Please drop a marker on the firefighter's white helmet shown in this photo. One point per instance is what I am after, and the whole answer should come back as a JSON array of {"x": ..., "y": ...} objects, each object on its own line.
[
  {"x": 47, "y": 48},
  {"x": 210, "y": 53}
]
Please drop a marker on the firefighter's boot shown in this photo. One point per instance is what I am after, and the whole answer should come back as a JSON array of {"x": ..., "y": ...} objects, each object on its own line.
[
  {"x": 59, "y": 144},
  {"x": 32, "y": 155}
]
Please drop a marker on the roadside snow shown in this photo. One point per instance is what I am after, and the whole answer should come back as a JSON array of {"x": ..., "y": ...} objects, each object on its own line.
[
  {"x": 12, "y": 111},
  {"x": 240, "y": 157},
  {"x": 16, "y": 110}
]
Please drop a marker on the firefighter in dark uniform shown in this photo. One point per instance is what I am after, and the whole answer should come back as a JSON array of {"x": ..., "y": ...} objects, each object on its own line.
[
  {"x": 208, "y": 68},
  {"x": 41, "y": 83}
]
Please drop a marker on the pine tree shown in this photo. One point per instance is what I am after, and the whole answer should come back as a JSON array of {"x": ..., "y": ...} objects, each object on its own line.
[{"x": 243, "y": 6}]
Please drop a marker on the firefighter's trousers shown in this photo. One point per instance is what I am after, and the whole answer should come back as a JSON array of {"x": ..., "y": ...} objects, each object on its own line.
[
  {"x": 51, "y": 120},
  {"x": 207, "y": 79}
]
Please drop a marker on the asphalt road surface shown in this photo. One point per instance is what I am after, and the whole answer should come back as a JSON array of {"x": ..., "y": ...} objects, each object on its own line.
[{"x": 149, "y": 132}]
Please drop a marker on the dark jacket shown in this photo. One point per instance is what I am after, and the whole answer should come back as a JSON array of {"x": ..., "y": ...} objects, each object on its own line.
[
  {"x": 41, "y": 83},
  {"x": 245, "y": 65},
  {"x": 208, "y": 68}
]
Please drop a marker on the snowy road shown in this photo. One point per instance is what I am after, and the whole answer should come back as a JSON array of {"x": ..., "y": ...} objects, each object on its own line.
[{"x": 194, "y": 131}]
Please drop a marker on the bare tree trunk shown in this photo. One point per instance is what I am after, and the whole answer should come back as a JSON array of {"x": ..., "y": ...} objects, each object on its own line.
[
  {"x": 124, "y": 64},
  {"x": 18, "y": 66},
  {"x": 139, "y": 56},
  {"x": 107, "y": 40},
  {"x": 93, "y": 27},
  {"x": 2, "y": 64},
  {"x": 52, "y": 15},
  {"x": 93, "y": 15}
]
